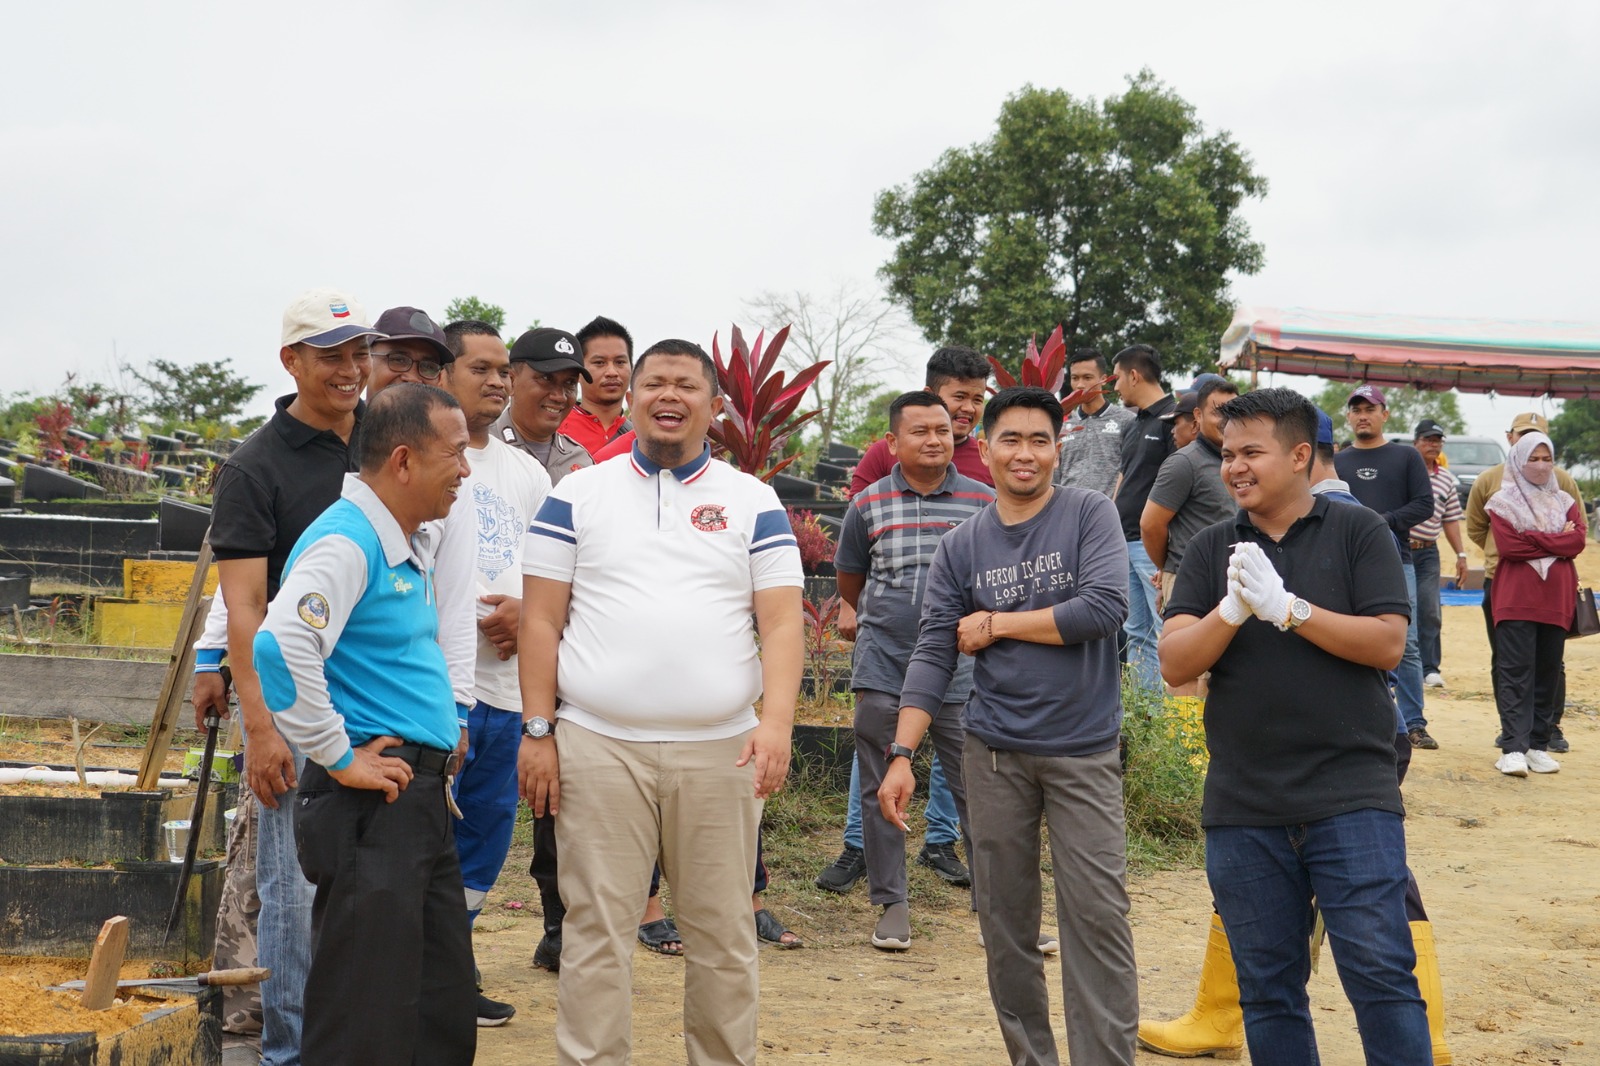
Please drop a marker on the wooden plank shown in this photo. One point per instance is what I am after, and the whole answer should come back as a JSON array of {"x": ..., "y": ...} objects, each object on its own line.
[
  {"x": 121, "y": 691},
  {"x": 180, "y": 669},
  {"x": 105, "y": 965}
]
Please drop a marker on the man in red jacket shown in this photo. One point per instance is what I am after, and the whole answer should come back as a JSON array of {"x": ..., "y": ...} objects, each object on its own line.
[{"x": 958, "y": 376}]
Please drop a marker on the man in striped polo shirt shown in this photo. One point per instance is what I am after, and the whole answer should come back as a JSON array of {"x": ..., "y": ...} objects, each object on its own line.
[
  {"x": 885, "y": 549},
  {"x": 1446, "y": 518},
  {"x": 641, "y": 575}
]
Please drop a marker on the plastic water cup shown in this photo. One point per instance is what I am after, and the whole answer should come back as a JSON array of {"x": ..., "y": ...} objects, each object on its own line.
[{"x": 177, "y": 839}]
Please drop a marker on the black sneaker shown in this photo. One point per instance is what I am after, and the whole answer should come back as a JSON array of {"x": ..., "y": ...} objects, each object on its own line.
[
  {"x": 547, "y": 956},
  {"x": 1420, "y": 739},
  {"x": 847, "y": 869},
  {"x": 491, "y": 1014},
  {"x": 1558, "y": 743},
  {"x": 942, "y": 860}
]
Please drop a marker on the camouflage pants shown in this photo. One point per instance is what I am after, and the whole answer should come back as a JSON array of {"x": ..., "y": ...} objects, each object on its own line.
[{"x": 236, "y": 920}]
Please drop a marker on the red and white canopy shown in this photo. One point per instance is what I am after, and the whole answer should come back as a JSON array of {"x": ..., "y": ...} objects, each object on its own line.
[{"x": 1514, "y": 357}]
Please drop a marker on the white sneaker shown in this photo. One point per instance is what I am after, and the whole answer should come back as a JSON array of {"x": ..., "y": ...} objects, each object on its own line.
[
  {"x": 1434, "y": 680},
  {"x": 1540, "y": 762},
  {"x": 1514, "y": 764}
]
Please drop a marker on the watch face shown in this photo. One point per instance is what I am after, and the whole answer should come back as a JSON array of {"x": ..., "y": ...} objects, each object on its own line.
[
  {"x": 1301, "y": 610},
  {"x": 536, "y": 728}
]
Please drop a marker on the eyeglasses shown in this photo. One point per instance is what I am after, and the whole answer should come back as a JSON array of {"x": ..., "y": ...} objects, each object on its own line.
[{"x": 400, "y": 362}]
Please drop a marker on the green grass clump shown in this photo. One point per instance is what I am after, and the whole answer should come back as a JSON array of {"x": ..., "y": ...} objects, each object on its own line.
[{"x": 1164, "y": 779}]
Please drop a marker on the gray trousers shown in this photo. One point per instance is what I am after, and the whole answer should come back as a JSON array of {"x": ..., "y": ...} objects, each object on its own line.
[
  {"x": 1080, "y": 798},
  {"x": 877, "y": 715}
]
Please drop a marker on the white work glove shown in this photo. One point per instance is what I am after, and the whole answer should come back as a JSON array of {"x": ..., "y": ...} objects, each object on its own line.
[
  {"x": 1233, "y": 608},
  {"x": 1262, "y": 587}
]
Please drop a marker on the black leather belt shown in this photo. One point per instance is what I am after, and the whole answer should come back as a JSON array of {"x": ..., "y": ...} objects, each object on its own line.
[{"x": 425, "y": 760}]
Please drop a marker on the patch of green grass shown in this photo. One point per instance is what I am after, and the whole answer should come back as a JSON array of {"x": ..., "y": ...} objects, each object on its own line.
[{"x": 1163, "y": 781}]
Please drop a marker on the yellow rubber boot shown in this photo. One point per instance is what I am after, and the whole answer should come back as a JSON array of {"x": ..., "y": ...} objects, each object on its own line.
[
  {"x": 1432, "y": 989},
  {"x": 1215, "y": 1024}
]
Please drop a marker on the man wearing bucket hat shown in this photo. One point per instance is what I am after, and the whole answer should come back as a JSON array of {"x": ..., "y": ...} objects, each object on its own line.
[{"x": 545, "y": 368}]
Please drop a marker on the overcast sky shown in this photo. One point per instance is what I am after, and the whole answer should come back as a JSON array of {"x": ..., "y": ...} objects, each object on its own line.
[{"x": 173, "y": 174}]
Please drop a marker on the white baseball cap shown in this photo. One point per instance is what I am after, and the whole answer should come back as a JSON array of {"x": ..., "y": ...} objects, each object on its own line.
[{"x": 325, "y": 318}]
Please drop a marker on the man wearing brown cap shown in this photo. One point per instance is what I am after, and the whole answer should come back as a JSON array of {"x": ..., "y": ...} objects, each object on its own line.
[
  {"x": 412, "y": 348},
  {"x": 1487, "y": 484},
  {"x": 545, "y": 369}
]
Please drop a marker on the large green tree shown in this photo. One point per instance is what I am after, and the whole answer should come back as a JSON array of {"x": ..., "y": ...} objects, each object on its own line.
[
  {"x": 209, "y": 392},
  {"x": 470, "y": 307},
  {"x": 1118, "y": 220},
  {"x": 1576, "y": 432}
]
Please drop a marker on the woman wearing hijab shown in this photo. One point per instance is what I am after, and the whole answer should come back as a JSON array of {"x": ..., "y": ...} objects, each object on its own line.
[{"x": 1538, "y": 529}]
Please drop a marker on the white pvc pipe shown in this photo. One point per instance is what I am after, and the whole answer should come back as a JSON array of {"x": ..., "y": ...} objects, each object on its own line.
[{"x": 43, "y": 775}]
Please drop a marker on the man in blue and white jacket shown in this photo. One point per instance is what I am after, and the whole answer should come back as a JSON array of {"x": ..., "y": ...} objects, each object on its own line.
[{"x": 353, "y": 673}]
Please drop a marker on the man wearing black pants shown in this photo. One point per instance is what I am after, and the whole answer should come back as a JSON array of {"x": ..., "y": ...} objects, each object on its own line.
[{"x": 353, "y": 673}]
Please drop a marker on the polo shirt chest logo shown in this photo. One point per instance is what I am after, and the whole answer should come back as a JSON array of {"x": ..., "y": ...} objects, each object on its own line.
[
  {"x": 709, "y": 518},
  {"x": 401, "y": 585}
]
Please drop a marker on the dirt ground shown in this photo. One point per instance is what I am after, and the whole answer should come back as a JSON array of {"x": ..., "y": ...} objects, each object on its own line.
[{"x": 1509, "y": 869}]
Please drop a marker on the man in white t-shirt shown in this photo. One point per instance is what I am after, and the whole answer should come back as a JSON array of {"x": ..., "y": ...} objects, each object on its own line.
[
  {"x": 641, "y": 575},
  {"x": 505, "y": 490}
]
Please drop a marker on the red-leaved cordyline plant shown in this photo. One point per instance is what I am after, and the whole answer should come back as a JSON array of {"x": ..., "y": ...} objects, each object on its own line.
[
  {"x": 758, "y": 405},
  {"x": 816, "y": 546},
  {"x": 1046, "y": 369},
  {"x": 822, "y": 634}
]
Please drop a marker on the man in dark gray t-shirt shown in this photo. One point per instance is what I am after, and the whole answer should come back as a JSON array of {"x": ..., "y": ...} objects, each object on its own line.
[{"x": 1035, "y": 588}]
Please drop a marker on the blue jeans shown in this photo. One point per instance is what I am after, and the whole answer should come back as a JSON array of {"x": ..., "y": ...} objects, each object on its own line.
[
  {"x": 1143, "y": 626},
  {"x": 283, "y": 929},
  {"x": 1408, "y": 675},
  {"x": 1354, "y": 865},
  {"x": 943, "y": 826},
  {"x": 1425, "y": 562},
  {"x": 486, "y": 792}
]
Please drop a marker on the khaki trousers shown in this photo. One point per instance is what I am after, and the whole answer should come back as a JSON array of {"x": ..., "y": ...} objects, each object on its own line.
[{"x": 623, "y": 805}]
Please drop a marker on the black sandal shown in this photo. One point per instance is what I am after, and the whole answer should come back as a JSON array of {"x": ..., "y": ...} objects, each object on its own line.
[
  {"x": 658, "y": 934},
  {"x": 772, "y": 931}
]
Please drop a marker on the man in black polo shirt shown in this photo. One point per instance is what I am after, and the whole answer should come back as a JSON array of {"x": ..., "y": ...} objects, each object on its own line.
[
  {"x": 1146, "y": 443},
  {"x": 268, "y": 491},
  {"x": 1393, "y": 480},
  {"x": 1301, "y": 798}
]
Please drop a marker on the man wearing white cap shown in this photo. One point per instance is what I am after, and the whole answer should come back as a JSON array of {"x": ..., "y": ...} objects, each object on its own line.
[{"x": 267, "y": 492}]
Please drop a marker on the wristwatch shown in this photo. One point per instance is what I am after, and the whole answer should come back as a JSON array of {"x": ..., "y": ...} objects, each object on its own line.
[
  {"x": 1299, "y": 611},
  {"x": 895, "y": 751},
  {"x": 536, "y": 727}
]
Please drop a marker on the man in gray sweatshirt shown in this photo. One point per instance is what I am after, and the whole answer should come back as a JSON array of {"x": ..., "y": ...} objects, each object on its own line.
[{"x": 1035, "y": 588}]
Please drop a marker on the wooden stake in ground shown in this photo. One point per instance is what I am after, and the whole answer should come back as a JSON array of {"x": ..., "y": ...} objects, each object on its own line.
[
  {"x": 180, "y": 666},
  {"x": 100, "y": 987}
]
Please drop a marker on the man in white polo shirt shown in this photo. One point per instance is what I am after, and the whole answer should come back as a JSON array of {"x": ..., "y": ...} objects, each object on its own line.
[{"x": 641, "y": 575}]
